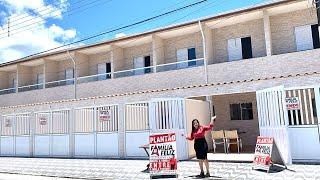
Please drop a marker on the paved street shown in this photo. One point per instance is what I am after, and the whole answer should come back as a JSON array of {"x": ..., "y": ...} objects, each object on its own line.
[{"x": 42, "y": 168}]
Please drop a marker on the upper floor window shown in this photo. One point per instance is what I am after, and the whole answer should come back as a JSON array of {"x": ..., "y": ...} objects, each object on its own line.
[
  {"x": 69, "y": 75},
  {"x": 142, "y": 62},
  {"x": 186, "y": 54},
  {"x": 103, "y": 70},
  {"x": 239, "y": 48},
  {"x": 241, "y": 111},
  {"x": 307, "y": 37}
]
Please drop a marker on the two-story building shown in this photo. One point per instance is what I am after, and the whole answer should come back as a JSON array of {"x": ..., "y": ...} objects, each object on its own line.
[{"x": 99, "y": 106}]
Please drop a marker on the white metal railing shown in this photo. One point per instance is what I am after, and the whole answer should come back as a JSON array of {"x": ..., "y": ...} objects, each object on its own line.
[
  {"x": 7, "y": 91},
  {"x": 180, "y": 65},
  {"x": 63, "y": 82},
  {"x": 118, "y": 74},
  {"x": 133, "y": 72},
  {"x": 92, "y": 78},
  {"x": 30, "y": 87}
]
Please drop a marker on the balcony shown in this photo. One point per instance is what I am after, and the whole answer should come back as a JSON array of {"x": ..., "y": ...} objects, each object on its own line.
[
  {"x": 58, "y": 83},
  {"x": 30, "y": 87},
  {"x": 7, "y": 91}
]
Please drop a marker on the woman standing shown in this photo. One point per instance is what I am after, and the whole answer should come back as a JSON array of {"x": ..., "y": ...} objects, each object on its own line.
[{"x": 200, "y": 143}]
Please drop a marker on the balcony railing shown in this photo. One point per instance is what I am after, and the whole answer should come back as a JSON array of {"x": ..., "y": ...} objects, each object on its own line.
[
  {"x": 7, "y": 91},
  {"x": 133, "y": 72},
  {"x": 180, "y": 65},
  {"x": 118, "y": 74},
  {"x": 63, "y": 82},
  {"x": 98, "y": 77},
  {"x": 30, "y": 87}
]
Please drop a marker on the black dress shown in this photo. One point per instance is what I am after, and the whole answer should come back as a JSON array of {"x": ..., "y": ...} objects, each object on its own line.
[{"x": 201, "y": 148}]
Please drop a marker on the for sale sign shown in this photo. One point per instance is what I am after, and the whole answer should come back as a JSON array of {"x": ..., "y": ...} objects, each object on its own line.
[
  {"x": 43, "y": 120},
  {"x": 105, "y": 115},
  {"x": 163, "y": 152},
  {"x": 262, "y": 153},
  {"x": 266, "y": 154},
  {"x": 292, "y": 103}
]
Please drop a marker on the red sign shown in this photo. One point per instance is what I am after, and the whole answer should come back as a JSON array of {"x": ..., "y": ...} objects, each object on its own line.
[
  {"x": 292, "y": 103},
  {"x": 163, "y": 154},
  {"x": 105, "y": 115},
  {"x": 263, "y": 151}
]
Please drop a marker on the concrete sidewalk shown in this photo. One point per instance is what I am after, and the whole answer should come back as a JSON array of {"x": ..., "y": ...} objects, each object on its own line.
[{"x": 42, "y": 168}]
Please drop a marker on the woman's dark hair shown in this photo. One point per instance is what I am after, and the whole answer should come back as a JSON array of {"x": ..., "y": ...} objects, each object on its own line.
[{"x": 194, "y": 129}]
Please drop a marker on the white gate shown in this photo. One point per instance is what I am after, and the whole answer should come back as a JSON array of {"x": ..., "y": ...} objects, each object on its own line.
[
  {"x": 60, "y": 133},
  {"x": 137, "y": 128},
  {"x": 7, "y": 136},
  {"x": 107, "y": 126},
  {"x": 303, "y": 123},
  {"x": 41, "y": 137},
  {"x": 168, "y": 115},
  {"x": 84, "y": 137},
  {"x": 273, "y": 119},
  {"x": 22, "y": 135}
]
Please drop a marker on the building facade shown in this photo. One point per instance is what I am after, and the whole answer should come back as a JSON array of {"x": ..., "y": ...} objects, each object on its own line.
[{"x": 240, "y": 53}]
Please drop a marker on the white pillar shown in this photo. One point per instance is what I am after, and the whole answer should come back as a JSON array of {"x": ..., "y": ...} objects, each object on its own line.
[
  {"x": 267, "y": 32},
  {"x": 158, "y": 51}
]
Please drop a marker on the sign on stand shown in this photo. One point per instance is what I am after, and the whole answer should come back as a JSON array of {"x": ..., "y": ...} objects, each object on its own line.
[
  {"x": 163, "y": 159},
  {"x": 266, "y": 154}
]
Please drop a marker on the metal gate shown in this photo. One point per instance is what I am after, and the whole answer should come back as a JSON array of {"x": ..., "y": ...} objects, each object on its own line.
[
  {"x": 84, "y": 137},
  {"x": 168, "y": 115},
  {"x": 303, "y": 123},
  {"x": 22, "y": 135},
  {"x": 7, "y": 135},
  {"x": 137, "y": 128},
  {"x": 273, "y": 119}
]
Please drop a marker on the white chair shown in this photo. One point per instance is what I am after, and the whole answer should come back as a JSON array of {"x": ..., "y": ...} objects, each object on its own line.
[
  {"x": 218, "y": 138},
  {"x": 233, "y": 138}
]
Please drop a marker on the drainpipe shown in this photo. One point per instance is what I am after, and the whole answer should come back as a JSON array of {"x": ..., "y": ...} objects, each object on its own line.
[
  {"x": 75, "y": 74},
  {"x": 204, "y": 53}
]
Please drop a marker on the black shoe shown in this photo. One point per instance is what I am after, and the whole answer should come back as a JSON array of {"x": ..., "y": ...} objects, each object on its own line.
[
  {"x": 207, "y": 174},
  {"x": 201, "y": 175}
]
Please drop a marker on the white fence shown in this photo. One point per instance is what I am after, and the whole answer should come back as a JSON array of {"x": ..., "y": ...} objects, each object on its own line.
[{"x": 61, "y": 133}]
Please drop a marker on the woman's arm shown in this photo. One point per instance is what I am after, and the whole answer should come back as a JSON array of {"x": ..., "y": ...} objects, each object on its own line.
[
  {"x": 190, "y": 138},
  {"x": 210, "y": 126}
]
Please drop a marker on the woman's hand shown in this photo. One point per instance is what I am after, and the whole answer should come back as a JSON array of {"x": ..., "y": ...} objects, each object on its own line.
[{"x": 213, "y": 119}]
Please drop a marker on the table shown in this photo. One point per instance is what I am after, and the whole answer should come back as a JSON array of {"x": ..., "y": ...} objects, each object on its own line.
[{"x": 146, "y": 147}]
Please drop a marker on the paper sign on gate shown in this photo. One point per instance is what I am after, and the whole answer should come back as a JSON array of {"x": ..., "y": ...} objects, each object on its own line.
[
  {"x": 43, "y": 121},
  {"x": 292, "y": 103},
  {"x": 163, "y": 151},
  {"x": 105, "y": 115},
  {"x": 266, "y": 154},
  {"x": 7, "y": 123}
]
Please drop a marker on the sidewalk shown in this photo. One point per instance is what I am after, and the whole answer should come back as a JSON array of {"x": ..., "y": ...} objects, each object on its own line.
[{"x": 42, "y": 168}]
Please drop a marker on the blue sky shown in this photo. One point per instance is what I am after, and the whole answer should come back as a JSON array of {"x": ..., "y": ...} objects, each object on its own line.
[{"x": 37, "y": 25}]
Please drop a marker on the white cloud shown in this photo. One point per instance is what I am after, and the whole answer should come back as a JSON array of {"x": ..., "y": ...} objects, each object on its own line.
[
  {"x": 120, "y": 35},
  {"x": 25, "y": 41}
]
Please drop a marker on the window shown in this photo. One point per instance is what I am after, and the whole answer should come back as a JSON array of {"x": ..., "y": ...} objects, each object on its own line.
[
  {"x": 103, "y": 70},
  {"x": 241, "y": 111},
  {"x": 185, "y": 55},
  {"x": 141, "y": 62},
  {"x": 307, "y": 37},
  {"x": 69, "y": 75},
  {"x": 40, "y": 80},
  {"x": 239, "y": 48}
]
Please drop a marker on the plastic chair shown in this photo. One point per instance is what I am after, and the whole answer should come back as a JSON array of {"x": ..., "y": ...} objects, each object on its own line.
[
  {"x": 233, "y": 135},
  {"x": 218, "y": 138}
]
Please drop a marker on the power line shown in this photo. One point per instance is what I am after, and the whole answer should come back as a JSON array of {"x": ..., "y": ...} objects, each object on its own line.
[
  {"x": 120, "y": 28},
  {"x": 40, "y": 22}
]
